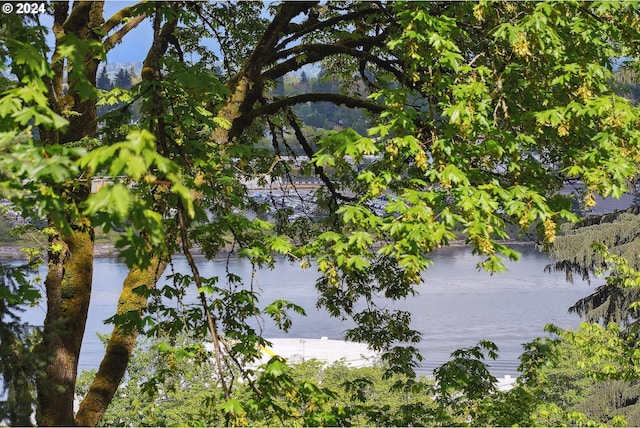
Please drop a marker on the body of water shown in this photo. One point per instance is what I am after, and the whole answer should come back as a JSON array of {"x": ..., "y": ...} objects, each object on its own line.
[{"x": 455, "y": 307}]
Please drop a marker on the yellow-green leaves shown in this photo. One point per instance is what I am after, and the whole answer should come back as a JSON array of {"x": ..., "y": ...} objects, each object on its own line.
[
  {"x": 604, "y": 353},
  {"x": 136, "y": 160},
  {"x": 131, "y": 158},
  {"x": 25, "y": 104},
  {"x": 344, "y": 143},
  {"x": 134, "y": 164},
  {"x": 277, "y": 310},
  {"x": 115, "y": 96},
  {"x": 27, "y": 101}
]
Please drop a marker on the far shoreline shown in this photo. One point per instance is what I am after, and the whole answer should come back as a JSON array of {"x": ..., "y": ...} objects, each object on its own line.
[{"x": 11, "y": 253}]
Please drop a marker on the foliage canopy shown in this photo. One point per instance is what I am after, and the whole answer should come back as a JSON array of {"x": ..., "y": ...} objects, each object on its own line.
[{"x": 480, "y": 112}]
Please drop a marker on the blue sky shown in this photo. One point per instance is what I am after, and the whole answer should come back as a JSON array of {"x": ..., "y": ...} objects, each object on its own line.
[{"x": 135, "y": 44}]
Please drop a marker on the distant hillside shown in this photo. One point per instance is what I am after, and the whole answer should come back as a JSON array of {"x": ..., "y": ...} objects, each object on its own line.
[
  {"x": 114, "y": 67},
  {"x": 323, "y": 115}
]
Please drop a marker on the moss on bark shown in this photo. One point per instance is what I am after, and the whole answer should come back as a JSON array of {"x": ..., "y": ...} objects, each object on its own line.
[
  {"x": 68, "y": 287},
  {"x": 132, "y": 302}
]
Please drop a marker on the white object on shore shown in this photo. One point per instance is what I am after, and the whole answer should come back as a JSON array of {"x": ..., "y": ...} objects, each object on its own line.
[
  {"x": 324, "y": 349},
  {"x": 506, "y": 383}
]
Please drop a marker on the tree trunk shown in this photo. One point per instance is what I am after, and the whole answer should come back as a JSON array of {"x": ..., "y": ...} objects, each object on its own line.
[
  {"x": 121, "y": 343},
  {"x": 70, "y": 253},
  {"x": 68, "y": 287},
  {"x": 131, "y": 302}
]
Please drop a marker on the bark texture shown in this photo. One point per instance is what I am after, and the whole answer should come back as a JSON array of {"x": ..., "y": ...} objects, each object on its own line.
[
  {"x": 133, "y": 298},
  {"x": 121, "y": 343},
  {"x": 68, "y": 281},
  {"x": 70, "y": 254},
  {"x": 68, "y": 287}
]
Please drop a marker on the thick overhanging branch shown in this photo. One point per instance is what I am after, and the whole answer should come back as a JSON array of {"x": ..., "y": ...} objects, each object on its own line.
[
  {"x": 273, "y": 33},
  {"x": 338, "y": 99},
  {"x": 314, "y": 53},
  {"x": 119, "y": 17},
  {"x": 343, "y": 46},
  {"x": 312, "y": 24},
  {"x": 117, "y": 37},
  {"x": 247, "y": 85}
]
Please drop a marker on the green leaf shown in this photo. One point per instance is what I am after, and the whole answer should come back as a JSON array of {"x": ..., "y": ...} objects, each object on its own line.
[
  {"x": 232, "y": 406},
  {"x": 276, "y": 367}
]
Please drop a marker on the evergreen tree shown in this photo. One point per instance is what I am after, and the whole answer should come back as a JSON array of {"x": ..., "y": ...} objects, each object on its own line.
[
  {"x": 123, "y": 79},
  {"x": 574, "y": 253},
  {"x": 103, "y": 81},
  {"x": 610, "y": 398}
]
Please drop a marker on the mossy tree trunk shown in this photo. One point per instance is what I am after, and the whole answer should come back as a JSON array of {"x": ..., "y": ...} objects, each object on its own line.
[
  {"x": 68, "y": 287},
  {"x": 70, "y": 252},
  {"x": 121, "y": 343},
  {"x": 133, "y": 298},
  {"x": 68, "y": 283}
]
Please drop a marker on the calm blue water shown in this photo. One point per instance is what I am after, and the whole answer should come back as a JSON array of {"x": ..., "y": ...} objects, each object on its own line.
[{"x": 456, "y": 306}]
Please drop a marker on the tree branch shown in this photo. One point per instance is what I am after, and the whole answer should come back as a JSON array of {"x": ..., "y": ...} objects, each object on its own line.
[
  {"x": 365, "y": 42},
  {"x": 311, "y": 25},
  {"x": 121, "y": 343},
  {"x": 338, "y": 99},
  {"x": 118, "y": 17},
  {"x": 311, "y": 53},
  {"x": 116, "y": 37},
  {"x": 123, "y": 338},
  {"x": 79, "y": 16},
  {"x": 247, "y": 86},
  {"x": 274, "y": 31},
  {"x": 335, "y": 194},
  {"x": 211, "y": 323}
]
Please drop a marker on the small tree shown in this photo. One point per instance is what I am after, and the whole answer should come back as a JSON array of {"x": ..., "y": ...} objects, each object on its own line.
[
  {"x": 123, "y": 79},
  {"x": 104, "y": 82}
]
